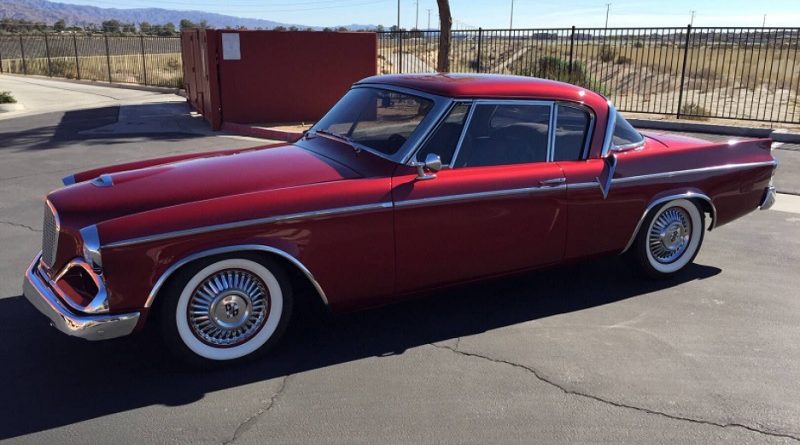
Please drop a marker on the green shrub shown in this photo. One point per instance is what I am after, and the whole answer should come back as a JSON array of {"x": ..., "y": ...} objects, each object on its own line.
[{"x": 7, "y": 98}]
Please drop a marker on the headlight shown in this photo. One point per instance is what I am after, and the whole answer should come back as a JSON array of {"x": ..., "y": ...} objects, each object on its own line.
[{"x": 91, "y": 247}]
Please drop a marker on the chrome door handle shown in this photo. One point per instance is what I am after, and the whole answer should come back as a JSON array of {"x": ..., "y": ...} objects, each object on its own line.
[{"x": 554, "y": 181}]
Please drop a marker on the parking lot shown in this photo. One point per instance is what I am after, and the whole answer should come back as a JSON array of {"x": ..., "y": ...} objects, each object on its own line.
[{"x": 589, "y": 352}]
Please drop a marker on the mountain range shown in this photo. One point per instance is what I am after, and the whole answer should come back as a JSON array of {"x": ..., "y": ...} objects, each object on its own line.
[{"x": 82, "y": 15}]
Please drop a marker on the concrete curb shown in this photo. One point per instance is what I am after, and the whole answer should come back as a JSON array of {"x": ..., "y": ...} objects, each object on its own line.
[
  {"x": 100, "y": 83},
  {"x": 778, "y": 135},
  {"x": 16, "y": 106},
  {"x": 261, "y": 132}
]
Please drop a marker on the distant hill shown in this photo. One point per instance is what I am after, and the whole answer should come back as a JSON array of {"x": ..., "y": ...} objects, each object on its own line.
[{"x": 82, "y": 15}]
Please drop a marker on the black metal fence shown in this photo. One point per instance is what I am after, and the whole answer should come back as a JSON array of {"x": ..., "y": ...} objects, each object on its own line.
[
  {"x": 728, "y": 73},
  {"x": 145, "y": 60}
]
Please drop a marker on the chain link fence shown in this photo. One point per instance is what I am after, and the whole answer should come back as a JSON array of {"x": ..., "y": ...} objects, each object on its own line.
[
  {"x": 144, "y": 60},
  {"x": 699, "y": 73}
]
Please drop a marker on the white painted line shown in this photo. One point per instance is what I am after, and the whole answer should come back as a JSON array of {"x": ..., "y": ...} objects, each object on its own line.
[{"x": 787, "y": 203}]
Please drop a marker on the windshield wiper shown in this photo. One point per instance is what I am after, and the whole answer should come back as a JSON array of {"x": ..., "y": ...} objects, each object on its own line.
[{"x": 337, "y": 137}]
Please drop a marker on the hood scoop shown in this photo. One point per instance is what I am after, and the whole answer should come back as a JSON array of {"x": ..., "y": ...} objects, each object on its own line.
[{"x": 103, "y": 181}]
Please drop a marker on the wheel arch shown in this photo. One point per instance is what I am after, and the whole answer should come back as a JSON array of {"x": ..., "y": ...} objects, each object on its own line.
[
  {"x": 703, "y": 202},
  {"x": 283, "y": 257}
]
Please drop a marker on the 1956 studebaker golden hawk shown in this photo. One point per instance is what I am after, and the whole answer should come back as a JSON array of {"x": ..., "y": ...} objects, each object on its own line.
[{"x": 409, "y": 183}]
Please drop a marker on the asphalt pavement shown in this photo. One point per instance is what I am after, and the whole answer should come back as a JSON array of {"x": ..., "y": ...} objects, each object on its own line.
[{"x": 584, "y": 353}]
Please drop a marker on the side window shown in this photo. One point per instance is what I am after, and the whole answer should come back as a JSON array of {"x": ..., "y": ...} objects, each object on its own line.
[
  {"x": 572, "y": 128},
  {"x": 445, "y": 138},
  {"x": 504, "y": 135},
  {"x": 625, "y": 134}
]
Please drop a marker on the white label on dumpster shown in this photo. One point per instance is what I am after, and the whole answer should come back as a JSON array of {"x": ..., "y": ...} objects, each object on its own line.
[{"x": 230, "y": 46}]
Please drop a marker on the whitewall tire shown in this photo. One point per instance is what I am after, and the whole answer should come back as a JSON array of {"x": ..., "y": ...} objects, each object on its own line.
[
  {"x": 670, "y": 238},
  {"x": 226, "y": 308}
]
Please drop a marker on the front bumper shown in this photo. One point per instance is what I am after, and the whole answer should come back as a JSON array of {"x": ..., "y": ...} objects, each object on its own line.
[
  {"x": 43, "y": 292},
  {"x": 768, "y": 199}
]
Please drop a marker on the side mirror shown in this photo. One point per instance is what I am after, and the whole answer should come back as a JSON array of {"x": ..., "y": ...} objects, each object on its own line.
[
  {"x": 607, "y": 175},
  {"x": 428, "y": 169}
]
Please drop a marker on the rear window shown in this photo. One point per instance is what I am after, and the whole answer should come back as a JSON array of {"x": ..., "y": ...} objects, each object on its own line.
[{"x": 624, "y": 134}]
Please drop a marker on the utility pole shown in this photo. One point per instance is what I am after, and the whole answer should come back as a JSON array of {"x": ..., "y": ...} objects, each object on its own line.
[
  {"x": 416, "y": 23},
  {"x": 692, "y": 21},
  {"x": 608, "y": 9},
  {"x": 429, "y": 19},
  {"x": 398, "y": 16},
  {"x": 764, "y": 23},
  {"x": 511, "y": 20}
]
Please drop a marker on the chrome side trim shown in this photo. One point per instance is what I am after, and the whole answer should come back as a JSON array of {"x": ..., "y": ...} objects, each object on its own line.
[
  {"x": 694, "y": 171},
  {"x": 68, "y": 180},
  {"x": 228, "y": 249},
  {"x": 252, "y": 222},
  {"x": 608, "y": 138},
  {"x": 476, "y": 196},
  {"x": 39, "y": 292},
  {"x": 653, "y": 204}
]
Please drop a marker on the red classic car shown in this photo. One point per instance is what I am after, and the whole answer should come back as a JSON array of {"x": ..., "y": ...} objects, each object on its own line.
[{"x": 409, "y": 183}]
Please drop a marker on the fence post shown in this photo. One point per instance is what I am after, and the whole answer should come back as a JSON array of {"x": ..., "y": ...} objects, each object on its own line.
[
  {"x": 683, "y": 70},
  {"x": 144, "y": 66},
  {"x": 571, "y": 49},
  {"x": 400, "y": 52},
  {"x": 22, "y": 53},
  {"x": 108, "y": 58},
  {"x": 77, "y": 63},
  {"x": 47, "y": 52},
  {"x": 480, "y": 39},
  {"x": 1, "y": 61}
]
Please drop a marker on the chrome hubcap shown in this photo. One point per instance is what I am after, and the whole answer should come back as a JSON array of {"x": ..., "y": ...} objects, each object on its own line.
[
  {"x": 669, "y": 235},
  {"x": 228, "y": 307}
]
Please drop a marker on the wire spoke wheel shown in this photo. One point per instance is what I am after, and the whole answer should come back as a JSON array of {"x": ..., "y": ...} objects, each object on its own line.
[
  {"x": 228, "y": 308},
  {"x": 669, "y": 235}
]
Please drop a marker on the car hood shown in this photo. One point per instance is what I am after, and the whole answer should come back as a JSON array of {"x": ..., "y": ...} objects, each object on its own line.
[{"x": 142, "y": 189}]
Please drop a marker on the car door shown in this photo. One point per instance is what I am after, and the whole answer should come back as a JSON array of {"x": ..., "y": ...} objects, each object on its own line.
[
  {"x": 496, "y": 207},
  {"x": 613, "y": 214}
]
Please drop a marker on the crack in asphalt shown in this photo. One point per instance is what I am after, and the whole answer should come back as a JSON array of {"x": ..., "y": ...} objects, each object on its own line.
[
  {"x": 245, "y": 425},
  {"x": 13, "y": 224},
  {"x": 567, "y": 391}
]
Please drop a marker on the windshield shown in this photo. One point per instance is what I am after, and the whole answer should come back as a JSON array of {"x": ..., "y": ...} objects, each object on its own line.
[{"x": 377, "y": 119}]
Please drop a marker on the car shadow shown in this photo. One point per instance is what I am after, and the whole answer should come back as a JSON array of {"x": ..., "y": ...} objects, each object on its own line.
[
  {"x": 52, "y": 380},
  {"x": 101, "y": 126}
]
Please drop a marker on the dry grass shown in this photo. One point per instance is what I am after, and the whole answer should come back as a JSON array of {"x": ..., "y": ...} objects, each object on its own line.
[{"x": 151, "y": 69}]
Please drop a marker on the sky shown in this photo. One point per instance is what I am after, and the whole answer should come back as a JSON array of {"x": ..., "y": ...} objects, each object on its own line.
[{"x": 492, "y": 13}]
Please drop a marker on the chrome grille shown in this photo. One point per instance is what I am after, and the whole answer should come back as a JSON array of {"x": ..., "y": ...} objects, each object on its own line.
[{"x": 49, "y": 236}]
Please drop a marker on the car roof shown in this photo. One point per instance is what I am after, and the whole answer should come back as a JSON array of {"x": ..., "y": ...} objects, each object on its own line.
[{"x": 464, "y": 85}]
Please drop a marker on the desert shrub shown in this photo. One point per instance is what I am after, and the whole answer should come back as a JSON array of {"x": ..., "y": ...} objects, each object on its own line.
[
  {"x": 622, "y": 60},
  {"x": 7, "y": 98},
  {"x": 60, "y": 68},
  {"x": 606, "y": 53},
  {"x": 638, "y": 45},
  {"x": 694, "y": 111},
  {"x": 555, "y": 68}
]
